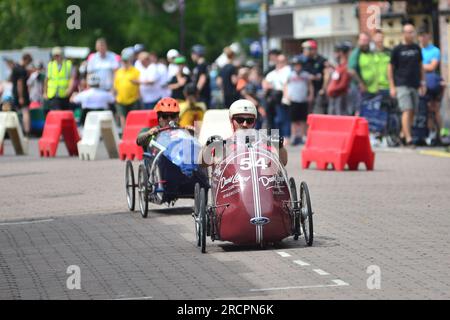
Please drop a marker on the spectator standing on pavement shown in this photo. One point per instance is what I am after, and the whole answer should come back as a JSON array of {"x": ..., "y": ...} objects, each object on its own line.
[
  {"x": 407, "y": 79},
  {"x": 93, "y": 98},
  {"x": 163, "y": 75},
  {"x": 299, "y": 92},
  {"x": 277, "y": 111},
  {"x": 315, "y": 65},
  {"x": 363, "y": 68},
  {"x": 250, "y": 88},
  {"x": 200, "y": 74},
  {"x": 273, "y": 58},
  {"x": 172, "y": 68},
  {"x": 60, "y": 81},
  {"x": 104, "y": 63},
  {"x": 126, "y": 86},
  {"x": 149, "y": 81},
  {"x": 431, "y": 61},
  {"x": 179, "y": 81},
  {"x": 227, "y": 79},
  {"x": 36, "y": 84},
  {"x": 339, "y": 82},
  {"x": 382, "y": 56},
  {"x": 19, "y": 77}
]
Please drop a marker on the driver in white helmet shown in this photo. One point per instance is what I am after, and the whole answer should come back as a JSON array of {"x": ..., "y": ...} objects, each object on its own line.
[{"x": 243, "y": 116}]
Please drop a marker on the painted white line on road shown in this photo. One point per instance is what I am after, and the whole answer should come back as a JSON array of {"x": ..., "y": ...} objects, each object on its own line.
[
  {"x": 137, "y": 298},
  {"x": 340, "y": 282},
  {"x": 25, "y": 222},
  {"x": 283, "y": 254},
  {"x": 301, "y": 263},
  {"x": 303, "y": 287},
  {"x": 321, "y": 272}
]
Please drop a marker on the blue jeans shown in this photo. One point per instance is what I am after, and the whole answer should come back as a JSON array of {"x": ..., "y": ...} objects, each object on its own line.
[{"x": 283, "y": 120}]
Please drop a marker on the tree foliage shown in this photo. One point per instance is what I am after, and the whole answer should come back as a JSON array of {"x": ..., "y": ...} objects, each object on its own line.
[{"x": 122, "y": 22}]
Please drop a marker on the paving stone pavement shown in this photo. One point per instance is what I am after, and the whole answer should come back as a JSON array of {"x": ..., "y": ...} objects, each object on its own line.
[{"x": 55, "y": 213}]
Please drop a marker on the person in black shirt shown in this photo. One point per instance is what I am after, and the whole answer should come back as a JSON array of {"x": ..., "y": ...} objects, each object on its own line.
[
  {"x": 180, "y": 80},
  {"x": 200, "y": 74},
  {"x": 315, "y": 64},
  {"x": 407, "y": 79},
  {"x": 19, "y": 77},
  {"x": 227, "y": 79}
]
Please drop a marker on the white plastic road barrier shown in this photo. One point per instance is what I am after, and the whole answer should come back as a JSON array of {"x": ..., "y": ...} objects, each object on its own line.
[
  {"x": 9, "y": 122},
  {"x": 215, "y": 122},
  {"x": 99, "y": 124}
]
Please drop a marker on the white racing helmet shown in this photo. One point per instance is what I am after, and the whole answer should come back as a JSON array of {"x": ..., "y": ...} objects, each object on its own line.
[{"x": 243, "y": 106}]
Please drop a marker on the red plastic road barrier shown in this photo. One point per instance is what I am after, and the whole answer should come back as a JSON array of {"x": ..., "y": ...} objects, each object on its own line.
[
  {"x": 1, "y": 149},
  {"x": 57, "y": 123},
  {"x": 339, "y": 140},
  {"x": 136, "y": 120}
]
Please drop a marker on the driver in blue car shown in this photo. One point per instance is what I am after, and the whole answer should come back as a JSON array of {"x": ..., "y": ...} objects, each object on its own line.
[
  {"x": 167, "y": 110},
  {"x": 243, "y": 114}
]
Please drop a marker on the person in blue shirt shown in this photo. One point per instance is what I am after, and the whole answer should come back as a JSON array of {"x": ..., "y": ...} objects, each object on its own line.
[{"x": 431, "y": 62}]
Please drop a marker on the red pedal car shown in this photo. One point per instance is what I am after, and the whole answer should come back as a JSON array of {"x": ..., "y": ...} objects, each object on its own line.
[{"x": 252, "y": 201}]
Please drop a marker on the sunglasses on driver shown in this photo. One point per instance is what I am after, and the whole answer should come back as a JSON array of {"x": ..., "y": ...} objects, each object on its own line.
[
  {"x": 169, "y": 116},
  {"x": 241, "y": 120}
]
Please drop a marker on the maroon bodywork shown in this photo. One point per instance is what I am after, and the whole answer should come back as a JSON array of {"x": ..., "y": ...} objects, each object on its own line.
[{"x": 251, "y": 199}]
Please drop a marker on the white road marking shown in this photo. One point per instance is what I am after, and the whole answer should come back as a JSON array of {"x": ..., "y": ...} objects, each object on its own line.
[
  {"x": 301, "y": 263},
  {"x": 25, "y": 222},
  {"x": 137, "y": 298},
  {"x": 340, "y": 282},
  {"x": 337, "y": 284},
  {"x": 321, "y": 272},
  {"x": 283, "y": 254}
]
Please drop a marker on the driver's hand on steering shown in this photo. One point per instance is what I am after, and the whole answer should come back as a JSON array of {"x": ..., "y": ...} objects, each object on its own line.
[{"x": 153, "y": 131}]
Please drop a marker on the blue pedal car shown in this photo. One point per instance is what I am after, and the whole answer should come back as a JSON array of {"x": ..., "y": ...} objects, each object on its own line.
[{"x": 168, "y": 172}]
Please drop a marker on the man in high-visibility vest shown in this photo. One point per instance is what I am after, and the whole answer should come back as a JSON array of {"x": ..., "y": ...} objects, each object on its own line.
[{"x": 59, "y": 81}]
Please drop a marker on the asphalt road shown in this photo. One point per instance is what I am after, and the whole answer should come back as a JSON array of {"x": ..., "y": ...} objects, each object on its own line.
[{"x": 378, "y": 235}]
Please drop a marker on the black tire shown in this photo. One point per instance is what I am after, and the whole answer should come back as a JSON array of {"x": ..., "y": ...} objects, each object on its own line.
[
  {"x": 196, "y": 212},
  {"x": 306, "y": 214},
  {"x": 296, "y": 223},
  {"x": 143, "y": 191},
  {"x": 202, "y": 220},
  {"x": 155, "y": 178},
  {"x": 130, "y": 187}
]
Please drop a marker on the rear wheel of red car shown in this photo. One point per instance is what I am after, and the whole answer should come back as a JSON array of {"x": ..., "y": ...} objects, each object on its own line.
[
  {"x": 296, "y": 217},
  {"x": 306, "y": 217}
]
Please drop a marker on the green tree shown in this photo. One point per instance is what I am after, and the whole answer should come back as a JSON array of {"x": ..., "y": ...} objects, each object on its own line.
[{"x": 122, "y": 22}]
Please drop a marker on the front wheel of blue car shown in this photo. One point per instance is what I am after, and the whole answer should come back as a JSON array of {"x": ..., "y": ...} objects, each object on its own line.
[{"x": 143, "y": 190}]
